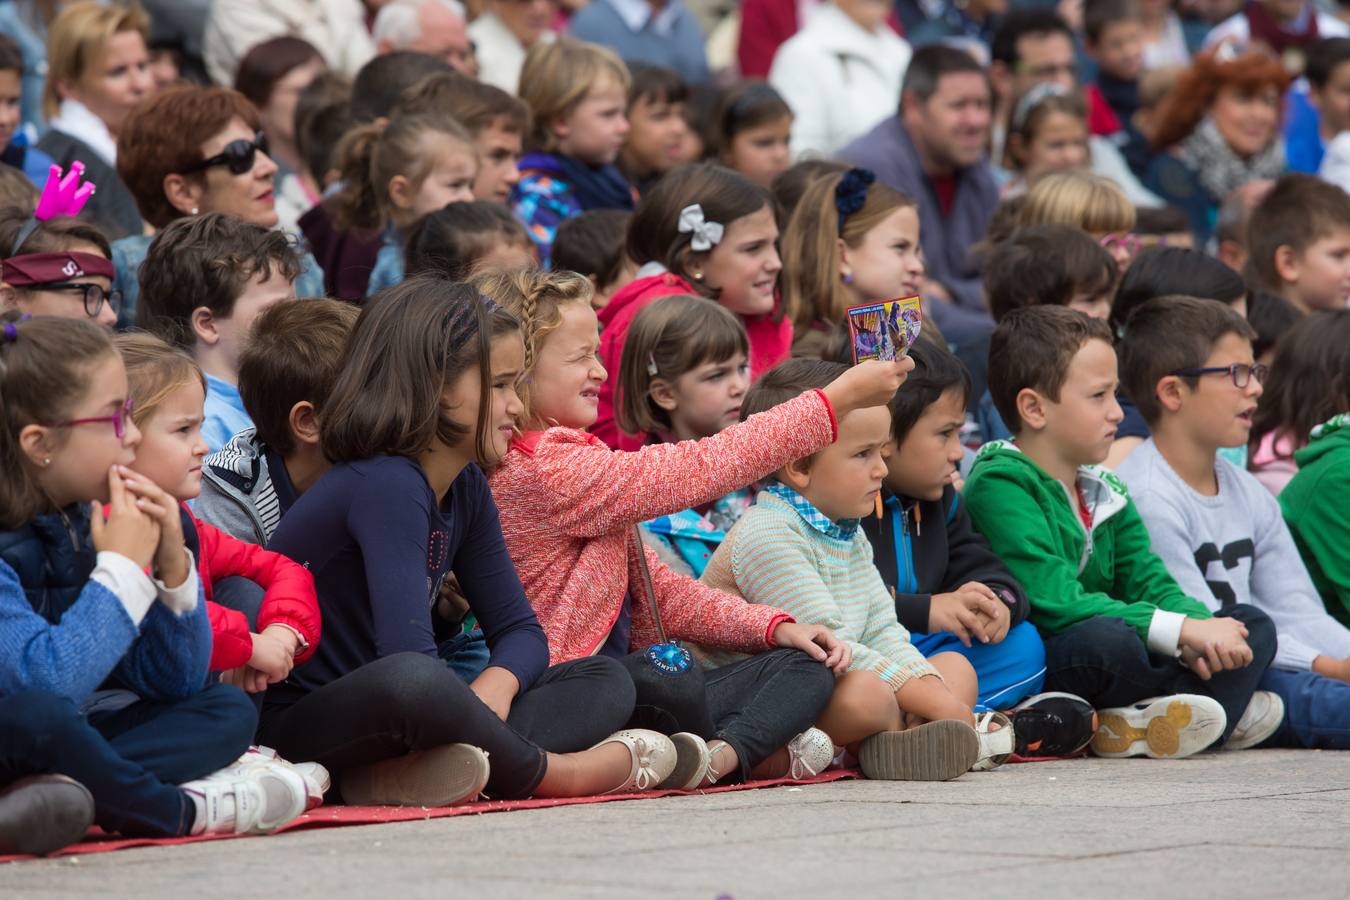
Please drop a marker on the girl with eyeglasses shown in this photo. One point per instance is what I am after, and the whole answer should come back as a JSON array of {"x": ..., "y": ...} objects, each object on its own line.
[
  {"x": 62, "y": 267},
  {"x": 88, "y": 594},
  {"x": 195, "y": 150}
]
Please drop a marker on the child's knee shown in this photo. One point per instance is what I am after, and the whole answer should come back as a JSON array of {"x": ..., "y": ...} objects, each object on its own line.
[
  {"x": 863, "y": 698},
  {"x": 959, "y": 676}
]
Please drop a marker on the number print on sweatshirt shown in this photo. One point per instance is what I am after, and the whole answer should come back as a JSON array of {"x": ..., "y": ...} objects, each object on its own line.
[{"x": 1232, "y": 556}]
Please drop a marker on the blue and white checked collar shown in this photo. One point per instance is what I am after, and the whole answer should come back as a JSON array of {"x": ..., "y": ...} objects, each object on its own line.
[{"x": 843, "y": 530}]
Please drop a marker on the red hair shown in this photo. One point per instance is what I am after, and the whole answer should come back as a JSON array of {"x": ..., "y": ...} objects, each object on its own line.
[{"x": 1194, "y": 92}]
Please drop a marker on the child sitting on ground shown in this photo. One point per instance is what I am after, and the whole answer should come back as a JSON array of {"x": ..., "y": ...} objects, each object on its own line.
[
  {"x": 1299, "y": 243},
  {"x": 395, "y": 173},
  {"x": 1189, "y": 365},
  {"x": 88, "y": 595},
  {"x": 1167, "y": 677},
  {"x": 684, "y": 373},
  {"x": 1314, "y": 502},
  {"x": 565, "y": 496},
  {"x": 950, "y": 591},
  {"x": 256, "y": 641},
  {"x": 286, "y": 370},
  {"x": 800, "y": 548},
  {"x": 578, "y": 93},
  {"x": 594, "y": 244},
  {"x": 463, "y": 238},
  {"x": 204, "y": 280}
]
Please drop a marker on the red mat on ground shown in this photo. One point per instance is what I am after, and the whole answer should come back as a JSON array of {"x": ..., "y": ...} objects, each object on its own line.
[{"x": 339, "y": 816}]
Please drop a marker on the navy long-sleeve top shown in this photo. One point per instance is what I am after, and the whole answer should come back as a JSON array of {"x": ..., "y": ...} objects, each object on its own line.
[{"x": 379, "y": 546}]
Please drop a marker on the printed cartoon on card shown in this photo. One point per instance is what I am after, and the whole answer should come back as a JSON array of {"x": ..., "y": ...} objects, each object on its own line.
[{"x": 884, "y": 330}]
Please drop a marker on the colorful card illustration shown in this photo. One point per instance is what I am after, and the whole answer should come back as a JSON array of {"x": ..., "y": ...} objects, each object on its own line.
[{"x": 884, "y": 330}]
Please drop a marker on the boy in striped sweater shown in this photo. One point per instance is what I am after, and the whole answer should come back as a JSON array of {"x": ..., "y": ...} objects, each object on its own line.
[{"x": 800, "y": 549}]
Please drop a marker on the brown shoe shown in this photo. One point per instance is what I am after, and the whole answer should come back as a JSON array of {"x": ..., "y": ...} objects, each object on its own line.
[{"x": 42, "y": 814}]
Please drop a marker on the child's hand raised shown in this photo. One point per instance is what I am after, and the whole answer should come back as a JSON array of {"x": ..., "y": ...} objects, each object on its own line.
[
  {"x": 127, "y": 529},
  {"x": 872, "y": 383},
  {"x": 818, "y": 642},
  {"x": 171, "y": 562}
]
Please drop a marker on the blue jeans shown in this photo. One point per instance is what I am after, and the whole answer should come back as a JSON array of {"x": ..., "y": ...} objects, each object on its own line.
[
  {"x": 1316, "y": 710},
  {"x": 1009, "y": 671},
  {"x": 131, "y": 758},
  {"x": 466, "y": 654}
]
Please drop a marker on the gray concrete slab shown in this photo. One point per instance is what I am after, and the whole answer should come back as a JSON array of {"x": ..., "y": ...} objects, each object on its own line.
[{"x": 1233, "y": 825}]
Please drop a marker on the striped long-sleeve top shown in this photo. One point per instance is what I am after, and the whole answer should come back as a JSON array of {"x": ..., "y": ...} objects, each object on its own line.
[{"x": 779, "y": 556}]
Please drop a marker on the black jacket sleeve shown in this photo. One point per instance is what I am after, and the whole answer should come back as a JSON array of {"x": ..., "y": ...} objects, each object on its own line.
[
  {"x": 910, "y": 609},
  {"x": 969, "y": 558}
]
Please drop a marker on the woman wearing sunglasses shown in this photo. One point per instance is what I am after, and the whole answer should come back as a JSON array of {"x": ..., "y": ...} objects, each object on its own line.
[
  {"x": 190, "y": 151},
  {"x": 61, "y": 268}
]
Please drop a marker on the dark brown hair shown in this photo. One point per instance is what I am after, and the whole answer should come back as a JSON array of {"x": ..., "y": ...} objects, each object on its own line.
[
  {"x": 292, "y": 354},
  {"x": 1032, "y": 348},
  {"x": 593, "y": 244},
  {"x": 1161, "y": 271},
  {"x": 165, "y": 134},
  {"x": 936, "y": 371},
  {"x": 669, "y": 337},
  {"x": 50, "y": 236},
  {"x": 409, "y": 344},
  {"x": 787, "y": 381},
  {"x": 1297, "y": 212},
  {"x": 44, "y": 372},
  {"x": 1170, "y": 333},
  {"x": 1098, "y": 15},
  {"x": 1309, "y": 378},
  {"x": 748, "y": 104},
  {"x": 269, "y": 62},
  {"x": 1046, "y": 265},
  {"x": 323, "y": 114},
  {"x": 11, "y": 57},
  {"x": 206, "y": 261},
  {"x": 474, "y": 104},
  {"x": 450, "y": 241}
]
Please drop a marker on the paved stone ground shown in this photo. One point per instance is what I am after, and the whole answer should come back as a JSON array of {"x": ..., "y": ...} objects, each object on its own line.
[{"x": 1232, "y": 825}]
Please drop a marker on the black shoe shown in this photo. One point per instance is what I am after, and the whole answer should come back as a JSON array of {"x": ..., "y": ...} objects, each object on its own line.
[
  {"x": 1053, "y": 724},
  {"x": 42, "y": 814}
]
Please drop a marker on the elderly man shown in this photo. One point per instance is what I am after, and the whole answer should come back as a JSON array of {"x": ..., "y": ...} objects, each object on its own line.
[{"x": 434, "y": 27}]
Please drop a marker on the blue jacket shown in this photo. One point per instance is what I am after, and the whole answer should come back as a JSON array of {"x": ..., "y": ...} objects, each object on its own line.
[{"x": 64, "y": 633}]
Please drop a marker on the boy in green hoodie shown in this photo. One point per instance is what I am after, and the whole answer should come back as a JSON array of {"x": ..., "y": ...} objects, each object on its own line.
[{"x": 1168, "y": 678}]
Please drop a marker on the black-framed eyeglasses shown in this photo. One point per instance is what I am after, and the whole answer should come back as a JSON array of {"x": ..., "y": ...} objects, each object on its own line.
[
  {"x": 237, "y": 155},
  {"x": 118, "y": 420},
  {"x": 94, "y": 295},
  {"x": 1241, "y": 373}
]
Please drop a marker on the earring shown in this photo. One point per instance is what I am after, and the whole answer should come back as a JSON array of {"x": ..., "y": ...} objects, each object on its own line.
[
  {"x": 698, "y": 276},
  {"x": 848, "y": 277},
  {"x": 194, "y": 211},
  {"x": 46, "y": 462}
]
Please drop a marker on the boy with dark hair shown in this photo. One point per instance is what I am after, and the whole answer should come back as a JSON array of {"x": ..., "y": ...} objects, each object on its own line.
[
  {"x": 1167, "y": 677},
  {"x": 322, "y": 117},
  {"x": 286, "y": 370},
  {"x": 495, "y": 120},
  {"x": 204, "y": 280},
  {"x": 1190, "y": 367},
  {"x": 1115, "y": 42},
  {"x": 657, "y": 131},
  {"x": 1320, "y": 113},
  {"x": 595, "y": 245},
  {"x": 950, "y": 590},
  {"x": 29, "y": 160},
  {"x": 1299, "y": 243},
  {"x": 801, "y": 545}
]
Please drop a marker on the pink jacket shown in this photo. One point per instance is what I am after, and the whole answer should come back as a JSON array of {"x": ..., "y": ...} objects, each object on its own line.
[
  {"x": 770, "y": 344},
  {"x": 1273, "y": 462},
  {"x": 569, "y": 510}
]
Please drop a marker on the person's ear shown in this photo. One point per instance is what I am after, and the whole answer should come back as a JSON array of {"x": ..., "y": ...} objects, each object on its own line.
[
  {"x": 1287, "y": 264},
  {"x": 205, "y": 326},
  {"x": 845, "y": 267},
  {"x": 1000, "y": 77},
  {"x": 1031, "y": 409},
  {"x": 401, "y": 192},
  {"x": 304, "y": 423},
  {"x": 1017, "y": 149},
  {"x": 183, "y": 193},
  {"x": 662, "y": 393},
  {"x": 38, "y": 443},
  {"x": 560, "y": 127},
  {"x": 797, "y": 474},
  {"x": 9, "y": 298},
  {"x": 1171, "y": 392}
]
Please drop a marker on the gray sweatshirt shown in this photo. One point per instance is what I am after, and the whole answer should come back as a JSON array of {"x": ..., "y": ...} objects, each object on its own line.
[{"x": 1234, "y": 548}]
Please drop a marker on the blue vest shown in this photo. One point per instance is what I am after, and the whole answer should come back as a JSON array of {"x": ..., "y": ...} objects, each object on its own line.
[{"x": 53, "y": 556}]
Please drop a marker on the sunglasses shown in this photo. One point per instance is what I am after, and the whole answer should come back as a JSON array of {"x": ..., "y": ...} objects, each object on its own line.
[
  {"x": 1241, "y": 373},
  {"x": 94, "y": 295},
  {"x": 118, "y": 420},
  {"x": 237, "y": 155}
]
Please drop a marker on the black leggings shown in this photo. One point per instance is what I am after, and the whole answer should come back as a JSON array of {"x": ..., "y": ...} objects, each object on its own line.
[
  {"x": 408, "y": 702},
  {"x": 756, "y": 705}
]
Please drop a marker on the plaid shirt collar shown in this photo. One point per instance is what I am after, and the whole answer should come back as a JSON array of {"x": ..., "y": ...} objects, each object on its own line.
[{"x": 843, "y": 530}]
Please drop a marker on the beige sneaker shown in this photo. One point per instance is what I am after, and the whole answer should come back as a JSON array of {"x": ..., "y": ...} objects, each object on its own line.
[
  {"x": 692, "y": 761},
  {"x": 442, "y": 776},
  {"x": 654, "y": 758}
]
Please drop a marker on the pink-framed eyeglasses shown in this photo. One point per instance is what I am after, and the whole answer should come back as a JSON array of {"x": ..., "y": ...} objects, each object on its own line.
[
  {"x": 1128, "y": 242},
  {"x": 118, "y": 420}
]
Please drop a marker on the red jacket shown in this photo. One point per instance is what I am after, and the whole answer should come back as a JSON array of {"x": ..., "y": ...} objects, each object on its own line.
[
  {"x": 288, "y": 598},
  {"x": 570, "y": 508},
  {"x": 770, "y": 344},
  {"x": 1102, "y": 119}
]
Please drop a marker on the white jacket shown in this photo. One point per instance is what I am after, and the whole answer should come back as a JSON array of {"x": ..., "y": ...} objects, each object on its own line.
[
  {"x": 839, "y": 79},
  {"x": 500, "y": 53},
  {"x": 336, "y": 28}
]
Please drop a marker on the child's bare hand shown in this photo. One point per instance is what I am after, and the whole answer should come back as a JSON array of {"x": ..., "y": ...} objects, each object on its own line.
[
  {"x": 816, "y": 641},
  {"x": 170, "y": 555},
  {"x": 960, "y": 612},
  {"x": 1221, "y": 641},
  {"x": 872, "y": 383},
  {"x": 451, "y": 604},
  {"x": 246, "y": 678},
  {"x": 272, "y": 655},
  {"x": 127, "y": 529}
]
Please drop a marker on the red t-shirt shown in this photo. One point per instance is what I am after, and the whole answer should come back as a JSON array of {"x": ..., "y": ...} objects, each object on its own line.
[{"x": 945, "y": 188}]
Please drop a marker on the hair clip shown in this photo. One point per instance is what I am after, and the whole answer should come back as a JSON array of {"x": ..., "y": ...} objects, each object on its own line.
[
  {"x": 652, "y": 370},
  {"x": 63, "y": 195},
  {"x": 850, "y": 194},
  {"x": 1034, "y": 98},
  {"x": 706, "y": 235},
  {"x": 11, "y": 329}
]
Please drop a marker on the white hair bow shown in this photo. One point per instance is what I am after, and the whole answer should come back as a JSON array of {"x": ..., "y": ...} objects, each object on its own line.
[{"x": 706, "y": 235}]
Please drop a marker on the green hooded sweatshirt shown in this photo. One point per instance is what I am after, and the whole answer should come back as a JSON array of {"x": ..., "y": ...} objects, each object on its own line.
[
  {"x": 1316, "y": 505},
  {"x": 1071, "y": 574}
]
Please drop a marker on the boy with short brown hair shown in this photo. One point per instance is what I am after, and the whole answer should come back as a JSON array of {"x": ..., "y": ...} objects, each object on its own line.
[{"x": 1299, "y": 243}]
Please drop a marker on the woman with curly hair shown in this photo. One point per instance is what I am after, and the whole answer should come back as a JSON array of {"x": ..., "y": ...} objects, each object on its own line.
[{"x": 1218, "y": 129}]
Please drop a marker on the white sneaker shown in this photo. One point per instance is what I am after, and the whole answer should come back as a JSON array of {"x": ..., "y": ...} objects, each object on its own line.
[
  {"x": 809, "y": 754},
  {"x": 259, "y": 758},
  {"x": 1262, "y": 718},
  {"x": 257, "y": 803},
  {"x": 1169, "y": 727},
  {"x": 448, "y": 775},
  {"x": 653, "y": 755}
]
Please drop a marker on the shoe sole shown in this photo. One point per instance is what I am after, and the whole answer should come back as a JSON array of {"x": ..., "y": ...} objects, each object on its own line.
[
  {"x": 691, "y": 763},
  {"x": 937, "y": 751},
  {"x": 1169, "y": 728},
  {"x": 449, "y": 775},
  {"x": 44, "y": 816}
]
